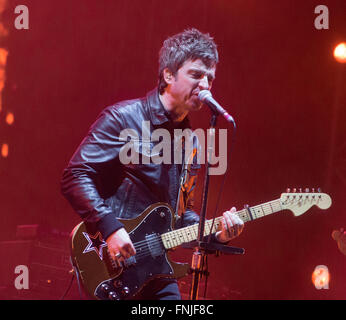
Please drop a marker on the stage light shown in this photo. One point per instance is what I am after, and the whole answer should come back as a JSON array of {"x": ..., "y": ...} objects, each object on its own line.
[
  {"x": 340, "y": 52},
  {"x": 3, "y": 57},
  {"x": 10, "y": 118},
  {"x": 3, "y": 60},
  {"x": 4, "y": 150},
  {"x": 321, "y": 277}
]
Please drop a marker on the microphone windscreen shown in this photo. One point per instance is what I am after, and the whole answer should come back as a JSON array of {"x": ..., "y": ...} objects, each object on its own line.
[{"x": 203, "y": 94}]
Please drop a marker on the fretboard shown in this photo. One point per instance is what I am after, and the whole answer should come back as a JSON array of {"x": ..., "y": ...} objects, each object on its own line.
[{"x": 183, "y": 235}]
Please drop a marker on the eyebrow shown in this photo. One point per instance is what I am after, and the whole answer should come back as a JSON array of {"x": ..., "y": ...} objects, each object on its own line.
[{"x": 208, "y": 73}]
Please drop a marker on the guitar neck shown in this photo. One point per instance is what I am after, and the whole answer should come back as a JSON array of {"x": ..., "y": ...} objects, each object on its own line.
[{"x": 183, "y": 235}]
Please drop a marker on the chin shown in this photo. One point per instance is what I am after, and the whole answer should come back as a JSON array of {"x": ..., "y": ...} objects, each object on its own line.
[{"x": 196, "y": 106}]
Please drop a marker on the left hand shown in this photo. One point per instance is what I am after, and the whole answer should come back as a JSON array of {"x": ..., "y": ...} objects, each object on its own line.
[{"x": 231, "y": 226}]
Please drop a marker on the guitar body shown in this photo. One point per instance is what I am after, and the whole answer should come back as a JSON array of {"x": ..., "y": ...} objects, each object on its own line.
[{"x": 102, "y": 278}]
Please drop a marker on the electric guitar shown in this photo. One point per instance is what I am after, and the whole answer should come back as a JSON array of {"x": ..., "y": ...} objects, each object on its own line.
[{"x": 152, "y": 235}]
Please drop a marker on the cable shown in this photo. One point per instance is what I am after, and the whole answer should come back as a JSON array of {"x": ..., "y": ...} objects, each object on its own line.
[
  {"x": 68, "y": 288},
  {"x": 217, "y": 205},
  {"x": 78, "y": 283},
  {"x": 223, "y": 181},
  {"x": 206, "y": 276}
]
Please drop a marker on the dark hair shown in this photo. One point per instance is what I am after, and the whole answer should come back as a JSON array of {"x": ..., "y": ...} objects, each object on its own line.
[{"x": 190, "y": 44}]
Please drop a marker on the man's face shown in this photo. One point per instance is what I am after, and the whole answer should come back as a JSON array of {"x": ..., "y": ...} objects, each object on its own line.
[{"x": 190, "y": 79}]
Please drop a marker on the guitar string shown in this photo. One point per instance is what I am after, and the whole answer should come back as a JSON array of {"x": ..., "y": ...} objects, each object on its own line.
[
  {"x": 239, "y": 213},
  {"x": 146, "y": 246},
  {"x": 144, "y": 243},
  {"x": 156, "y": 243},
  {"x": 145, "y": 249},
  {"x": 267, "y": 208},
  {"x": 144, "y": 253}
]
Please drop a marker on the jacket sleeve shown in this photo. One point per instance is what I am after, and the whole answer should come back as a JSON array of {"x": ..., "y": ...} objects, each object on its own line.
[{"x": 98, "y": 151}]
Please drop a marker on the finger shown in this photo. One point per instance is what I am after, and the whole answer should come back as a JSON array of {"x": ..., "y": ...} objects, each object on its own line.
[
  {"x": 228, "y": 226},
  {"x": 229, "y": 221},
  {"x": 241, "y": 225},
  {"x": 236, "y": 230},
  {"x": 236, "y": 219},
  {"x": 224, "y": 224},
  {"x": 238, "y": 222},
  {"x": 125, "y": 251},
  {"x": 120, "y": 262},
  {"x": 119, "y": 258},
  {"x": 132, "y": 250},
  {"x": 128, "y": 250},
  {"x": 115, "y": 255},
  {"x": 238, "y": 225},
  {"x": 224, "y": 228},
  {"x": 227, "y": 214},
  {"x": 125, "y": 254},
  {"x": 233, "y": 210}
]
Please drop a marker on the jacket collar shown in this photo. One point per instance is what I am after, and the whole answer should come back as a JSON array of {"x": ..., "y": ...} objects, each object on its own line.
[{"x": 158, "y": 114}]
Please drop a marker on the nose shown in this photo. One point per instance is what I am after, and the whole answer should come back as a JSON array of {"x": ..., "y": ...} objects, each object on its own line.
[{"x": 204, "y": 83}]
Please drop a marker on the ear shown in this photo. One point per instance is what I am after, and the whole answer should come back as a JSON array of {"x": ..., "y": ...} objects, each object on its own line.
[{"x": 168, "y": 76}]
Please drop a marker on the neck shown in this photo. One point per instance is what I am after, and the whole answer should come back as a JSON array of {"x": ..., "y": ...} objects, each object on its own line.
[{"x": 176, "y": 112}]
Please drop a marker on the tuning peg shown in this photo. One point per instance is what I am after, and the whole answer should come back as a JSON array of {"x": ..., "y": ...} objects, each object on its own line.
[
  {"x": 288, "y": 190},
  {"x": 307, "y": 190},
  {"x": 300, "y": 190},
  {"x": 294, "y": 190}
]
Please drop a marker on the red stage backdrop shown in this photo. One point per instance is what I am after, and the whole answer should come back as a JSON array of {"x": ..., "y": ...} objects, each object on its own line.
[{"x": 277, "y": 77}]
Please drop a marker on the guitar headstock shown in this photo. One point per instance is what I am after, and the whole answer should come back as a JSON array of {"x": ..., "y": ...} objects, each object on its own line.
[{"x": 300, "y": 202}]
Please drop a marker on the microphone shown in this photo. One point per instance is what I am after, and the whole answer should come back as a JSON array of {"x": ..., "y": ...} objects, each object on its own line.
[{"x": 206, "y": 97}]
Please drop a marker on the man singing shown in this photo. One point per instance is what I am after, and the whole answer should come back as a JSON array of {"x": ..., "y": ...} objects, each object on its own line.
[{"x": 102, "y": 189}]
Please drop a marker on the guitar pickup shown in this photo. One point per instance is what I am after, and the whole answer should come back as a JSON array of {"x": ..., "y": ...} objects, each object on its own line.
[{"x": 155, "y": 245}]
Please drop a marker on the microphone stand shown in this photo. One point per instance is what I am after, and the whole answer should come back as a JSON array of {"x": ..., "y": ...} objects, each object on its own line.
[{"x": 203, "y": 248}]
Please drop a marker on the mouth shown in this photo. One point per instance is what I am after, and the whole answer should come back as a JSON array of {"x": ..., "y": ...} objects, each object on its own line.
[
  {"x": 196, "y": 102},
  {"x": 195, "y": 99},
  {"x": 195, "y": 93}
]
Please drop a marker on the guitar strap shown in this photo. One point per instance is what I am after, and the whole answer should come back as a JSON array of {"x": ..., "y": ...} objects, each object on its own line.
[
  {"x": 184, "y": 174},
  {"x": 181, "y": 192}
]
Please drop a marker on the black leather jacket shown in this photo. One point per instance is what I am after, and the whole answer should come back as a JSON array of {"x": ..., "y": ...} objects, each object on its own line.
[{"x": 101, "y": 188}]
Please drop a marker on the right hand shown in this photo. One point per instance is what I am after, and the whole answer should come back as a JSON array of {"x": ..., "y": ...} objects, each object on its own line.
[{"x": 120, "y": 242}]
